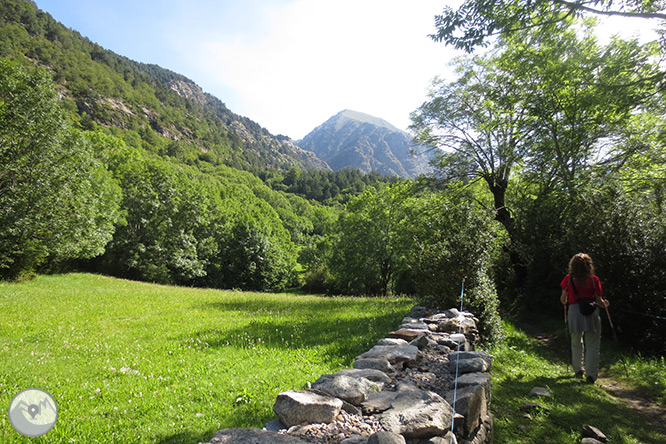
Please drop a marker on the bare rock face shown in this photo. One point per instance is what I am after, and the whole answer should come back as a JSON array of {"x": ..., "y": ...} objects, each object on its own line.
[
  {"x": 298, "y": 407},
  {"x": 355, "y": 140}
]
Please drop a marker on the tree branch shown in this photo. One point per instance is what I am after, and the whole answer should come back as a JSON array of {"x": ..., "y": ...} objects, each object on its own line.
[{"x": 575, "y": 6}]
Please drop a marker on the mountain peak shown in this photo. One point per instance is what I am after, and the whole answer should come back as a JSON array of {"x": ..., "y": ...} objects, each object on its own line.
[
  {"x": 357, "y": 116},
  {"x": 351, "y": 139}
]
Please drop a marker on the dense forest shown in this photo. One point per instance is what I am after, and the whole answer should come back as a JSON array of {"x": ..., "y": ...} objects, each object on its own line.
[{"x": 548, "y": 144}]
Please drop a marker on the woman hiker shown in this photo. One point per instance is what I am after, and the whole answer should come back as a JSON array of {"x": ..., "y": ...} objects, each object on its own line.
[{"x": 581, "y": 291}]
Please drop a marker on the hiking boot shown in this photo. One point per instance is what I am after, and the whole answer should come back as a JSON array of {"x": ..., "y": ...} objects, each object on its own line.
[
  {"x": 579, "y": 374},
  {"x": 590, "y": 379}
]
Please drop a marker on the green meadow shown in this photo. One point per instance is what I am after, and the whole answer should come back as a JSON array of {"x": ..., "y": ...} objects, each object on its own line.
[
  {"x": 135, "y": 362},
  {"x": 131, "y": 362}
]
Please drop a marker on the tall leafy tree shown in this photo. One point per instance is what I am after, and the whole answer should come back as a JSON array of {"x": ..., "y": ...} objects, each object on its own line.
[
  {"x": 541, "y": 104},
  {"x": 403, "y": 239},
  {"x": 583, "y": 97},
  {"x": 369, "y": 253},
  {"x": 57, "y": 202},
  {"x": 479, "y": 125},
  {"x": 450, "y": 238}
]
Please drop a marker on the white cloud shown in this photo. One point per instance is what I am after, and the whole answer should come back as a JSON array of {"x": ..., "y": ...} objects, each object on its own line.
[{"x": 316, "y": 58}]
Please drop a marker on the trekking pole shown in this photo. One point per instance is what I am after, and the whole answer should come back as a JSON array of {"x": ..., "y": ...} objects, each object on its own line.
[
  {"x": 566, "y": 330},
  {"x": 616, "y": 341}
]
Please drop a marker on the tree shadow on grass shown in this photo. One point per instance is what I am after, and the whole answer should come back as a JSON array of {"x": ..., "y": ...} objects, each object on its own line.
[
  {"x": 303, "y": 306},
  {"x": 524, "y": 363},
  {"x": 340, "y": 339},
  {"x": 561, "y": 418},
  {"x": 324, "y": 324},
  {"x": 528, "y": 346}
]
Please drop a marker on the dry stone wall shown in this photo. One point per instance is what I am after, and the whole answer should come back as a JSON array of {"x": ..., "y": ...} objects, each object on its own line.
[{"x": 403, "y": 390}]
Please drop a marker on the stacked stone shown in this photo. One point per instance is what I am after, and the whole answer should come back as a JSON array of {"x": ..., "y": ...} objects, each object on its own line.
[{"x": 403, "y": 390}]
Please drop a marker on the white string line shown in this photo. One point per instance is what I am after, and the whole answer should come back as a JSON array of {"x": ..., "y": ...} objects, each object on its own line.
[{"x": 455, "y": 386}]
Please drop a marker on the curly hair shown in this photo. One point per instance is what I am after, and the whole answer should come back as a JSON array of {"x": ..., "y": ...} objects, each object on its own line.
[{"x": 581, "y": 266}]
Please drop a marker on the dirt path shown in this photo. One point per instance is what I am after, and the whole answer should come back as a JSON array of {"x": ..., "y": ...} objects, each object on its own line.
[{"x": 655, "y": 413}]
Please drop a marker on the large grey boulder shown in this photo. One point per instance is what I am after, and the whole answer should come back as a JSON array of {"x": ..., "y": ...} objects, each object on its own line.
[
  {"x": 381, "y": 364},
  {"x": 349, "y": 388},
  {"x": 473, "y": 365},
  {"x": 378, "y": 402},
  {"x": 470, "y": 362},
  {"x": 417, "y": 413},
  {"x": 392, "y": 341},
  {"x": 297, "y": 407},
  {"x": 472, "y": 403},
  {"x": 252, "y": 436},
  {"x": 418, "y": 311},
  {"x": 475, "y": 379},
  {"x": 414, "y": 325},
  {"x": 472, "y": 355},
  {"x": 468, "y": 379},
  {"x": 397, "y": 355},
  {"x": 371, "y": 374},
  {"x": 423, "y": 342},
  {"x": 384, "y": 437}
]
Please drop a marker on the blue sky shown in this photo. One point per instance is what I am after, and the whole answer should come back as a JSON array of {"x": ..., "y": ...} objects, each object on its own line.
[{"x": 287, "y": 64}]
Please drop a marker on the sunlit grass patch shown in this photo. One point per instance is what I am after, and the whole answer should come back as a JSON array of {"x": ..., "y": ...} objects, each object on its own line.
[{"x": 135, "y": 362}]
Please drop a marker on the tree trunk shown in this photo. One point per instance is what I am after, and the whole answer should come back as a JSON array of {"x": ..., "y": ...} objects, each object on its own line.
[{"x": 503, "y": 216}]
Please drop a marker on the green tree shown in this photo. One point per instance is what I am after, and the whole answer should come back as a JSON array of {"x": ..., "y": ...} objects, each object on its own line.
[
  {"x": 585, "y": 95},
  {"x": 475, "y": 22},
  {"x": 479, "y": 125},
  {"x": 57, "y": 202},
  {"x": 586, "y": 102},
  {"x": 542, "y": 104},
  {"x": 452, "y": 238},
  {"x": 166, "y": 234},
  {"x": 368, "y": 252},
  {"x": 402, "y": 239},
  {"x": 254, "y": 250}
]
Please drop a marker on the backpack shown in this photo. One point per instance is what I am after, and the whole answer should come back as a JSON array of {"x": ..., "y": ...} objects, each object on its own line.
[{"x": 586, "y": 305}]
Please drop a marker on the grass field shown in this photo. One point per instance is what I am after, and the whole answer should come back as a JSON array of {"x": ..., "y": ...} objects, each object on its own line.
[
  {"x": 131, "y": 362},
  {"x": 522, "y": 362},
  {"x": 134, "y": 362}
]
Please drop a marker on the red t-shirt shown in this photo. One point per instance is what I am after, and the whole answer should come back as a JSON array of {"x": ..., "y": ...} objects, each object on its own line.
[{"x": 591, "y": 287}]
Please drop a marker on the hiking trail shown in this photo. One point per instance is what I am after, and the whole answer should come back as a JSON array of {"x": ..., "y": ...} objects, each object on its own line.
[{"x": 655, "y": 413}]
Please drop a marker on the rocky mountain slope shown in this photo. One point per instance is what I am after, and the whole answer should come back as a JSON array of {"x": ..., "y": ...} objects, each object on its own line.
[
  {"x": 352, "y": 139},
  {"x": 146, "y": 105}
]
